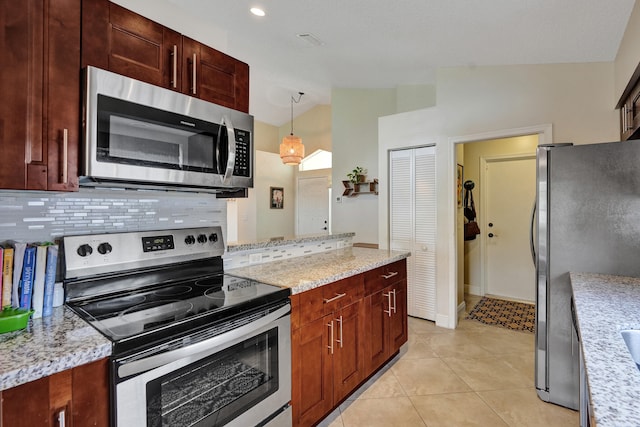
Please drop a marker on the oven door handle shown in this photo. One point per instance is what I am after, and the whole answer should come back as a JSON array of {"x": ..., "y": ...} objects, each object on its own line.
[{"x": 206, "y": 347}]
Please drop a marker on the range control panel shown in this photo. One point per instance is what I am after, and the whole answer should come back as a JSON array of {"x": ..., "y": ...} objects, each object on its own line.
[{"x": 89, "y": 255}]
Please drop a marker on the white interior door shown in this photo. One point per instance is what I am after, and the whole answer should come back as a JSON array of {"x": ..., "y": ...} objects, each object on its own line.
[
  {"x": 412, "y": 216},
  {"x": 510, "y": 193},
  {"x": 313, "y": 205}
]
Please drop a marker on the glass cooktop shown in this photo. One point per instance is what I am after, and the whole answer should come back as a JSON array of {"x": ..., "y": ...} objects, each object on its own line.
[{"x": 170, "y": 308}]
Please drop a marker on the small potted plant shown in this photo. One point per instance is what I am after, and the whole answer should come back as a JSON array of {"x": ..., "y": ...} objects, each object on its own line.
[{"x": 357, "y": 175}]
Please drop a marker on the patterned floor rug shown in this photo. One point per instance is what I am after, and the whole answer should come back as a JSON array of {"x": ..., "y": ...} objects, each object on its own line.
[{"x": 517, "y": 316}]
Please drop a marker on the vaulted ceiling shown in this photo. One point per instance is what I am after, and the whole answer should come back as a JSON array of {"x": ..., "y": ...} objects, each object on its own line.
[{"x": 382, "y": 44}]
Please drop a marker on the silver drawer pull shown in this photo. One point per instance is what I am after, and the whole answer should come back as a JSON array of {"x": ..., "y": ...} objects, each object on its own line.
[
  {"x": 394, "y": 301},
  {"x": 174, "y": 66},
  {"x": 330, "y": 346},
  {"x": 65, "y": 157},
  {"x": 338, "y": 296},
  {"x": 61, "y": 418},
  {"x": 339, "y": 320},
  {"x": 390, "y": 275},
  {"x": 388, "y": 295}
]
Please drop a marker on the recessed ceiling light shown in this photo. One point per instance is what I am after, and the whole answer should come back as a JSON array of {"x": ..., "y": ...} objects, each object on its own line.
[{"x": 257, "y": 11}]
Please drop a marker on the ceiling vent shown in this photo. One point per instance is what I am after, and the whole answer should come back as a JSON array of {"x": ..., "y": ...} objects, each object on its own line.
[{"x": 311, "y": 39}]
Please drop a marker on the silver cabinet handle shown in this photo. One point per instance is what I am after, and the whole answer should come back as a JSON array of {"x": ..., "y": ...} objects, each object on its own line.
[
  {"x": 388, "y": 295},
  {"x": 390, "y": 275},
  {"x": 61, "y": 418},
  {"x": 394, "y": 301},
  {"x": 338, "y": 296},
  {"x": 65, "y": 156},
  {"x": 174, "y": 63},
  {"x": 193, "y": 74},
  {"x": 330, "y": 346},
  {"x": 339, "y": 320}
]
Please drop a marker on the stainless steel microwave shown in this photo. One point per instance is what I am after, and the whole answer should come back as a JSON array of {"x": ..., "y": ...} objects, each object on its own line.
[{"x": 137, "y": 135}]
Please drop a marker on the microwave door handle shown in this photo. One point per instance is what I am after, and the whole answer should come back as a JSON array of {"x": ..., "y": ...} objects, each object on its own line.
[{"x": 231, "y": 150}]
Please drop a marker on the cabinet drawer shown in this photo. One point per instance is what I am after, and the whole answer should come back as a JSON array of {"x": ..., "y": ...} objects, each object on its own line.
[
  {"x": 329, "y": 298},
  {"x": 381, "y": 277},
  {"x": 342, "y": 293}
]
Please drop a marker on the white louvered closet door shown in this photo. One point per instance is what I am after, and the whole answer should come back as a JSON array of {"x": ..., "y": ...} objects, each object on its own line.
[{"x": 412, "y": 212}]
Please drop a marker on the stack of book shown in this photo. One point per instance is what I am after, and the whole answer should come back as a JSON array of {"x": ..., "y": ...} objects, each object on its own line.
[{"x": 28, "y": 276}]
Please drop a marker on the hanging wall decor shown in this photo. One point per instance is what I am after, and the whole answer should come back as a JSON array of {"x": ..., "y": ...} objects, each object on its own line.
[{"x": 277, "y": 197}]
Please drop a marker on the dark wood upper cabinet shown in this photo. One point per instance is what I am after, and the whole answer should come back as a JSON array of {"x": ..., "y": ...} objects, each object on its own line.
[
  {"x": 217, "y": 77},
  {"x": 40, "y": 86},
  {"x": 119, "y": 40},
  {"x": 126, "y": 43}
]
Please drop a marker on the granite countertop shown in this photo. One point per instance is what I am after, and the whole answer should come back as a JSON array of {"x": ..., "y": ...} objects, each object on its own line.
[
  {"x": 289, "y": 240},
  {"x": 606, "y": 305},
  {"x": 63, "y": 341},
  {"x": 49, "y": 345},
  {"x": 310, "y": 271}
]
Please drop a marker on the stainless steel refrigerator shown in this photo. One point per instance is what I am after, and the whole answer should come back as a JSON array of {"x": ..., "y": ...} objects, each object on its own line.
[{"x": 588, "y": 220}]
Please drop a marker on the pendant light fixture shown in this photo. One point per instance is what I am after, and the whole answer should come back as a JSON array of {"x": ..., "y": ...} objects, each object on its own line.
[{"x": 291, "y": 149}]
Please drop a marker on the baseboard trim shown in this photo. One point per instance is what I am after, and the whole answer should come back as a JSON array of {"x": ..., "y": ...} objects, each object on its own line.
[
  {"x": 472, "y": 289},
  {"x": 462, "y": 307}
]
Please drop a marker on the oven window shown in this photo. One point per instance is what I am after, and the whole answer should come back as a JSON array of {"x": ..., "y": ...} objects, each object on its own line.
[
  {"x": 139, "y": 135},
  {"x": 215, "y": 390}
]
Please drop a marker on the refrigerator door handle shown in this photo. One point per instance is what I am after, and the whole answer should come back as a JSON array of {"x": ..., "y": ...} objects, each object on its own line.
[{"x": 532, "y": 244}]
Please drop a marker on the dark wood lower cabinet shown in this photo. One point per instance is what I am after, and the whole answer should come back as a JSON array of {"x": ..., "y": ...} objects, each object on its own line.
[
  {"x": 341, "y": 334},
  {"x": 80, "y": 396}
]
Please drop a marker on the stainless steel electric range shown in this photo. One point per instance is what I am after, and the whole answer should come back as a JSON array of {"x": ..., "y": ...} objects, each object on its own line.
[{"x": 192, "y": 346}]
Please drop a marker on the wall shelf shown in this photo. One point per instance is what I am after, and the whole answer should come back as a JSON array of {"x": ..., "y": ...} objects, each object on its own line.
[{"x": 366, "y": 187}]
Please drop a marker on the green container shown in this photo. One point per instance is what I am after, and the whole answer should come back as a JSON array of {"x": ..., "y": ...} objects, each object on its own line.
[{"x": 14, "y": 319}]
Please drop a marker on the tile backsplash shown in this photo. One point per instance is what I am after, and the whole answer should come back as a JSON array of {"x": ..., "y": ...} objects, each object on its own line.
[{"x": 31, "y": 216}]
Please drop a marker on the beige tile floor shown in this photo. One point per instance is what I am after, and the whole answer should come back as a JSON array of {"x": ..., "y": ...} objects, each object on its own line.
[{"x": 475, "y": 375}]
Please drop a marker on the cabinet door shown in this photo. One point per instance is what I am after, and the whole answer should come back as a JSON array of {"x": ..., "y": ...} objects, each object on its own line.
[
  {"x": 119, "y": 40},
  {"x": 348, "y": 356},
  {"x": 90, "y": 397},
  {"x": 28, "y": 405},
  {"x": 63, "y": 94},
  {"x": 19, "y": 96},
  {"x": 377, "y": 341},
  {"x": 312, "y": 395},
  {"x": 398, "y": 332},
  {"x": 39, "y": 82},
  {"x": 214, "y": 76},
  {"x": 80, "y": 396}
]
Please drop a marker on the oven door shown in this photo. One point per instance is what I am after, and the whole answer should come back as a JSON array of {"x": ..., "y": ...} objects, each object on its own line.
[{"x": 238, "y": 378}]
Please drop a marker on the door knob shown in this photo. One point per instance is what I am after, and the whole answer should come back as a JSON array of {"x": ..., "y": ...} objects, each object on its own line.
[{"x": 491, "y": 234}]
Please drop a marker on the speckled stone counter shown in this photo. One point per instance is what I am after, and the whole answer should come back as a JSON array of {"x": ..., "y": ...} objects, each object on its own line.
[
  {"x": 307, "y": 272},
  {"x": 49, "y": 345},
  {"x": 605, "y": 305},
  {"x": 270, "y": 243}
]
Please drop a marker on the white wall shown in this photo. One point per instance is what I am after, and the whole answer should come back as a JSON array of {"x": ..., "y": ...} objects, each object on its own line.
[
  {"x": 354, "y": 120},
  {"x": 575, "y": 98},
  {"x": 628, "y": 52},
  {"x": 254, "y": 219}
]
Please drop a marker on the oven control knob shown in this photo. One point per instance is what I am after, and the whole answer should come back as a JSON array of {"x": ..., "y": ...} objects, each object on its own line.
[
  {"x": 202, "y": 238},
  {"x": 189, "y": 240},
  {"x": 213, "y": 237},
  {"x": 84, "y": 250},
  {"x": 104, "y": 248}
]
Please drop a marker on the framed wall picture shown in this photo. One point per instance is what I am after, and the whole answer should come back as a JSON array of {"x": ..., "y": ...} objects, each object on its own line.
[
  {"x": 459, "y": 181},
  {"x": 277, "y": 197}
]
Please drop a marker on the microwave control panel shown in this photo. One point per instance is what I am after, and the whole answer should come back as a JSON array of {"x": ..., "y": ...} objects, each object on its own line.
[{"x": 243, "y": 153}]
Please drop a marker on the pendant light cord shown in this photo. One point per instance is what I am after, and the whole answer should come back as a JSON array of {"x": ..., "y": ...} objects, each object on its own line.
[{"x": 292, "y": 101}]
